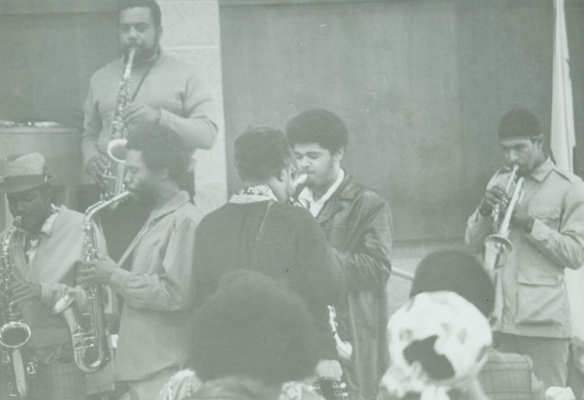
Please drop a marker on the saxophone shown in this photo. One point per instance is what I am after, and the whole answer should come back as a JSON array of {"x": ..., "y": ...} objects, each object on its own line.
[
  {"x": 114, "y": 174},
  {"x": 14, "y": 333},
  {"x": 88, "y": 328}
]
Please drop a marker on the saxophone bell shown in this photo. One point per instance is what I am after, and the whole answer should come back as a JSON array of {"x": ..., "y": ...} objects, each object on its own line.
[
  {"x": 15, "y": 357},
  {"x": 87, "y": 326},
  {"x": 116, "y": 150},
  {"x": 14, "y": 334}
]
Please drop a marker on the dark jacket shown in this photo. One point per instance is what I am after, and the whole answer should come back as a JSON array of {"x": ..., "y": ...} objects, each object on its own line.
[
  {"x": 357, "y": 223},
  {"x": 291, "y": 247}
]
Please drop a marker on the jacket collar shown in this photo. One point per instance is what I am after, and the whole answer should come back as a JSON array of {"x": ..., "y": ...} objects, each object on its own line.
[
  {"x": 171, "y": 205},
  {"x": 340, "y": 199},
  {"x": 542, "y": 170},
  {"x": 47, "y": 228},
  {"x": 180, "y": 199}
]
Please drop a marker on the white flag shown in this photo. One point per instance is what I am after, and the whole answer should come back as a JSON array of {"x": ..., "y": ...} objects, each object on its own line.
[{"x": 562, "y": 143}]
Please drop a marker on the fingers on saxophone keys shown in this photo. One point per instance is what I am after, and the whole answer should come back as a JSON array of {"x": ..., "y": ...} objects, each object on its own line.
[{"x": 86, "y": 275}]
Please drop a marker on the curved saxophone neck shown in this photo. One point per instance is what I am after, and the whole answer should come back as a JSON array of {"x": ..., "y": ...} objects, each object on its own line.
[
  {"x": 100, "y": 205},
  {"x": 128, "y": 69},
  {"x": 10, "y": 233}
]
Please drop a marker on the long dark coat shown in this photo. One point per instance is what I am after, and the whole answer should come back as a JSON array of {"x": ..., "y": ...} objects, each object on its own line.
[{"x": 358, "y": 225}]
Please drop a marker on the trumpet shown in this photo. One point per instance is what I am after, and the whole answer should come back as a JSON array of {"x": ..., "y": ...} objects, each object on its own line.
[{"x": 498, "y": 243}]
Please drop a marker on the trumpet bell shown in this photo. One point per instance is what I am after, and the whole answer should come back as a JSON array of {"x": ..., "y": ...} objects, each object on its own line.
[
  {"x": 117, "y": 151},
  {"x": 498, "y": 244},
  {"x": 14, "y": 334}
]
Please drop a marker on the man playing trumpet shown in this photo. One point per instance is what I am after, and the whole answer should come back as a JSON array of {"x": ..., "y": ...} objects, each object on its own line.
[{"x": 546, "y": 231}]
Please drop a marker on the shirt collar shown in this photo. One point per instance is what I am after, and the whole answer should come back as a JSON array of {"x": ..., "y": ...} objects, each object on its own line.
[
  {"x": 47, "y": 228},
  {"x": 171, "y": 205},
  {"x": 306, "y": 195},
  {"x": 542, "y": 170}
]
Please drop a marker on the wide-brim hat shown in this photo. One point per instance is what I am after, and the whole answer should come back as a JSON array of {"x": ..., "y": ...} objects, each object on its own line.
[{"x": 22, "y": 172}]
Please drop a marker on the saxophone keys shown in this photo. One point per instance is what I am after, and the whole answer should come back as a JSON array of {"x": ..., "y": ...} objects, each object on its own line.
[{"x": 5, "y": 358}]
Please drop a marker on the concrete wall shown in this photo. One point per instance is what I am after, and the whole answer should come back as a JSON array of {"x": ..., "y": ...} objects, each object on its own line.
[
  {"x": 420, "y": 84},
  {"x": 191, "y": 34},
  {"x": 51, "y": 48}
]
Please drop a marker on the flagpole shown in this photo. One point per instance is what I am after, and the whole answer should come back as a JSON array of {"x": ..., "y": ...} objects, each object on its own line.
[{"x": 562, "y": 143}]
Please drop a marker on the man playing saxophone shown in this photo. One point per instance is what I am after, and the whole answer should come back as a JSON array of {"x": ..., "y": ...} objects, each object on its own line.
[
  {"x": 154, "y": 277},
  {"x": 44, "y": 251},
  {"x": 162, "y": 90},
  {"x": 547, "y": 235}
]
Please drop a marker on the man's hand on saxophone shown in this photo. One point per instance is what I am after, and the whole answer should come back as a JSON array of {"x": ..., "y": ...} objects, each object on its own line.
[
  {"x": 96, "y": 272},
  {"x": 22, "y": 291},
  {"x": 138, "y": 114},
  {"x": 97, "y": 166}
]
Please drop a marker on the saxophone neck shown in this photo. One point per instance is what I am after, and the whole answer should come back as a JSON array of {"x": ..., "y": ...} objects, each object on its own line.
[
  {"x": 128, "y": 69},
  {"x": 10, "y": 233},
  {"x": 100, "y": 205}
]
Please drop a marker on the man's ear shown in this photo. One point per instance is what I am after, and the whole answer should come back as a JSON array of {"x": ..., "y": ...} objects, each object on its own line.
[
  {"x": 338, "y": 156},
  {"x": 159, "y": 31},
  {"x": 538, "y": 140},
  {"x": 47, "y": 192},
  {"x": 162, "y": 173}
]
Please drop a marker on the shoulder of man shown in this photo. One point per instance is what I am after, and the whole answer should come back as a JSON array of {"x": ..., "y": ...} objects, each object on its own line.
[
  {"x": 298, "y": 215},
  {"x": 69, "y": 217},
  {"x": 189, "y": 211},
  {"x": 568, "y": 176},
  {"x": 110, "y": 69},
  {"x": 178, "y": 65},
  {"x": 213, "y": 217},
  {"x": 360, "y": 193}
]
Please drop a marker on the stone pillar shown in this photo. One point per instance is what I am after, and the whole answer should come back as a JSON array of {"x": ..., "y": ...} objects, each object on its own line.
[{"x": 192, "y": 34}]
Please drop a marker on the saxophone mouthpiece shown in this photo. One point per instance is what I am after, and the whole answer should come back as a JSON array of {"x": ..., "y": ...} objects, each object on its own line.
[{"x": 128, "y": 70}]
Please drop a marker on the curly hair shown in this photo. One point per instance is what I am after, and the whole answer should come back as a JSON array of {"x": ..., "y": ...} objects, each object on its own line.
[
  {"x": 151, "y": 4},
  {"x": 254, "y": 327},
  {"x": 458, "y": 272},
  {"x": 261, "y": 153},
  {"x": 318, "y": 126},
  {"x": 161, "y": 147}
]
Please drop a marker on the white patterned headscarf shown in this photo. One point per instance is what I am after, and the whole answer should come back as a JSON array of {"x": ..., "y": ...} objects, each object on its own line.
[{"x": 437, "y": 342}]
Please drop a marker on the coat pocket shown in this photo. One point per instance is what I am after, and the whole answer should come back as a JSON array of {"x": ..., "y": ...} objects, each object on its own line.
[
  {"x": 540, "y": 299},
  {"x": 548, "y": 214}
]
